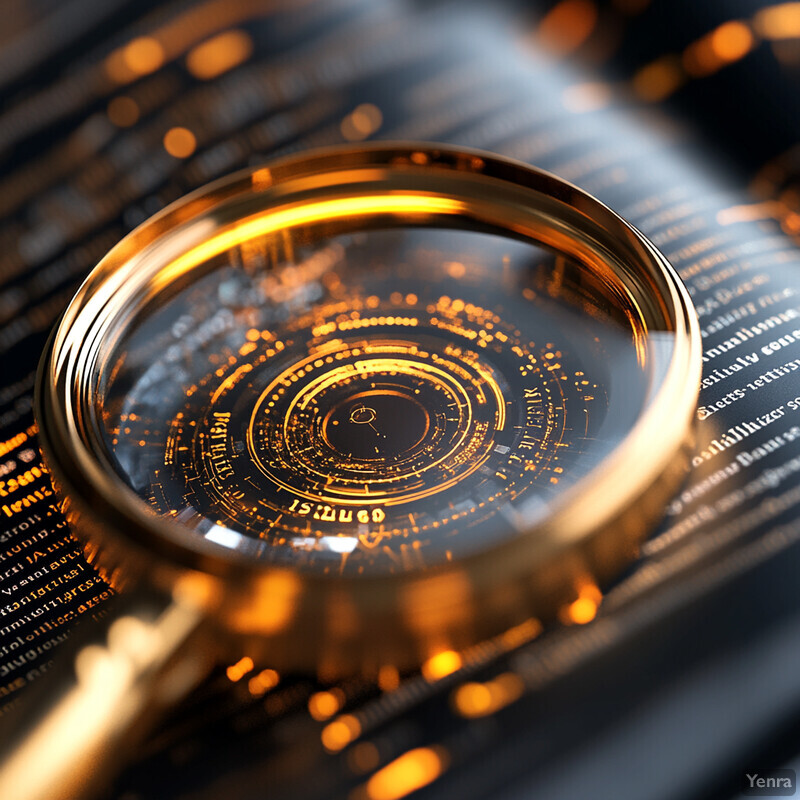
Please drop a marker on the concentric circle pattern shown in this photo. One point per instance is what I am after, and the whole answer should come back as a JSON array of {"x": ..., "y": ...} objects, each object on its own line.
[{"x": 383, "y": 421}]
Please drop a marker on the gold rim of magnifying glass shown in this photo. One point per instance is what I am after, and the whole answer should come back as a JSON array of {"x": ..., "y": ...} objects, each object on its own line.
[{"x": 305, "y": 620}]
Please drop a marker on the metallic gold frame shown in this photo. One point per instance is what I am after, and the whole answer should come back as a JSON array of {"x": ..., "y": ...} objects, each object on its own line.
[{"x": 334, "y": 624}]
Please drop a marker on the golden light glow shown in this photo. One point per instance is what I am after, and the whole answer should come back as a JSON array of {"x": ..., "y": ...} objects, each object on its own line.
[
  {"x": 659, "y": 79},
  {"x": 441, "y": 665},
  {"x": 237, "y": 671},
  {"x": 455, "y": 269},
  {"x": 732, "y": 41},
  {"x": 144, "y": 55},
  {"x": 473, "y": 700},
  {"x": 338, "y": 734},
  {"x": 406, "y": 774},
  {"x": 178, "y": 35},
  {"x": 306, "y": 214},
  {"x": 480, "y": 699},
  {"x": 778, "y": 22},
  {"x": 519, "y": 634},
  {"x": 567, "y": 26},
  {"x": 363, "y": 121},
  {"x": 180, "y": 142},
  {"x": 323, "y": 705},
  {"x": 724, "y": 45},
  {"x": 137, "y": 58},
  {"x": 584, "y": 609},
  {"x": 219, "y": 54},
  {"x": 123, "y": 111},
  {"x": 265, "y": 680},
  {"x": 15, "y": 441}
]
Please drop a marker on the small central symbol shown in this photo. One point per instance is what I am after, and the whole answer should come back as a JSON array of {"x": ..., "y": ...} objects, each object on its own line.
[{"x": 364, "y": 415}]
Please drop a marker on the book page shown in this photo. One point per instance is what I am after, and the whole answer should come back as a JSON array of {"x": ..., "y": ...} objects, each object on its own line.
[{"x": 139, "y": 118}]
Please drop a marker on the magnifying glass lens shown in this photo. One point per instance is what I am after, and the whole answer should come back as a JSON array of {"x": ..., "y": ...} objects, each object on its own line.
[
  {"x": 367, "y": 401},
  {"x": 385, "y": 398}
]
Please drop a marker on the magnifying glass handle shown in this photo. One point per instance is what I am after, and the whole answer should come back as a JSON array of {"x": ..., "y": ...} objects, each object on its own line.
[{"x": 84, "y": 717}]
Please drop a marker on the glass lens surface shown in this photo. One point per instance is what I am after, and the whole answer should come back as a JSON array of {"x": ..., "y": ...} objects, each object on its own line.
[{"x": 370, "y": 402}]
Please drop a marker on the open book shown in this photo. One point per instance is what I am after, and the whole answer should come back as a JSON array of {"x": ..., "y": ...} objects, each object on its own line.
[{"x": 686, "y": 676}]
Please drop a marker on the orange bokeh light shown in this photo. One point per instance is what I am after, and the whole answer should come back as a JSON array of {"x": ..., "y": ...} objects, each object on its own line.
[
  {"x": 180, "y": 142},
  {"x": 406, "y": 774},
  {"x": 219, "y": 54},
  {"x": 441, "y": 665}
]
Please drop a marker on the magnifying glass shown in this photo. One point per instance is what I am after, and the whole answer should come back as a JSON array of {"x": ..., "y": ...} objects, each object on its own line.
[{"x": 349, "y": 410}]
